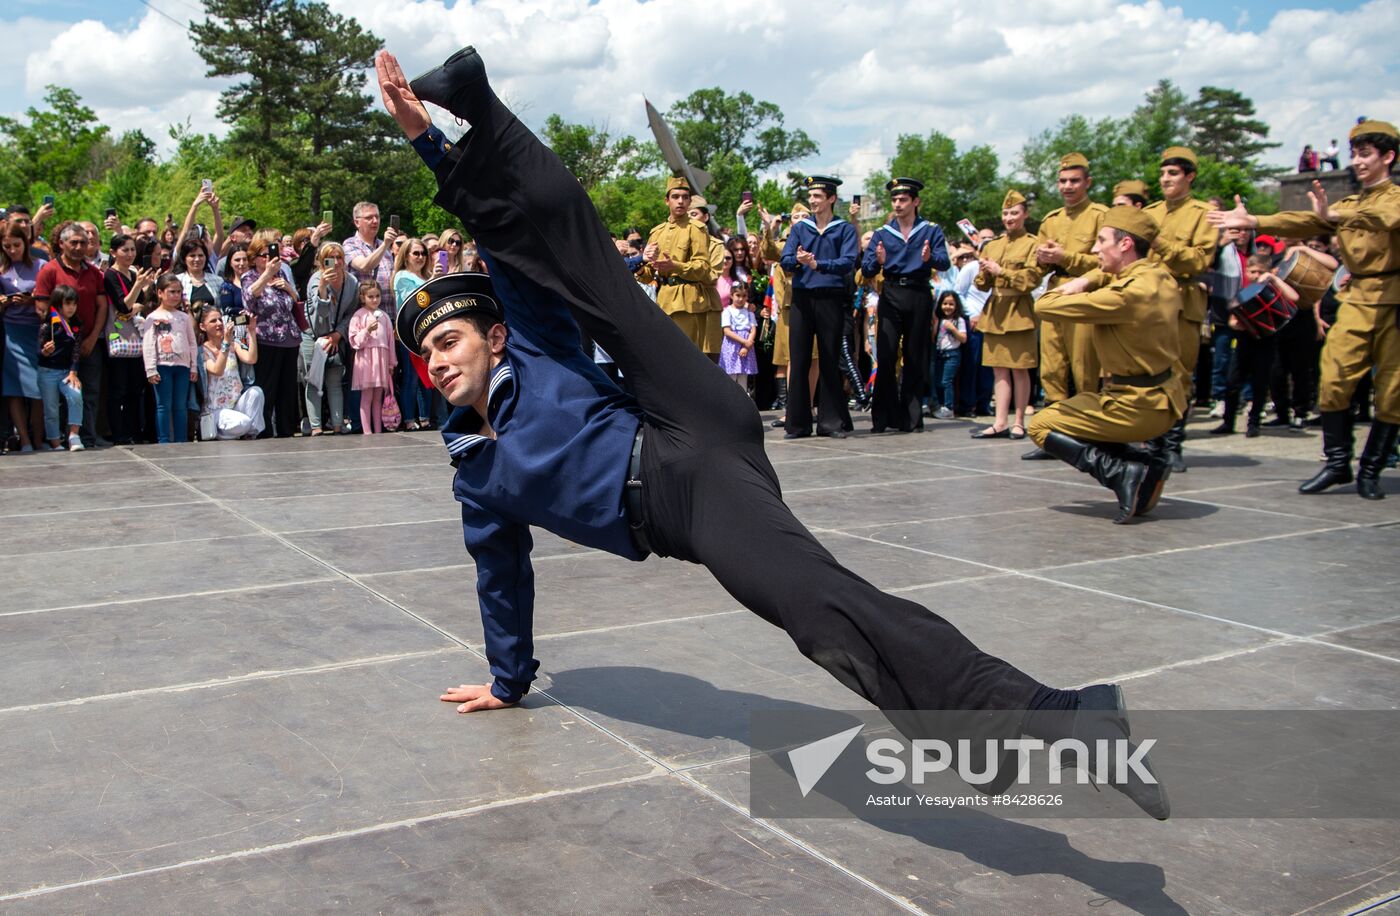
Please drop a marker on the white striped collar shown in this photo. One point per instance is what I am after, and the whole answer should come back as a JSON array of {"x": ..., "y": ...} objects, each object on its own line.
[
  {"x": 892, "y": 227},
  {"x": 807, "y": 220}
]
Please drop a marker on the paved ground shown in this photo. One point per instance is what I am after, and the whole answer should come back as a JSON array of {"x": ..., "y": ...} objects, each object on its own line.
[{"x": 220, "y": 673}]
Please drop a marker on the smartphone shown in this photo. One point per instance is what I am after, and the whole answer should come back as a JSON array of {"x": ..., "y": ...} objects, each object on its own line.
[
  {"x": 111, "y": 212},
  {"x": 206, "y": 185},
  {"x": 48, "y": 200},
  {"x": 326, "y": 217},
  {"x": 394, "y": 222},
  {"x": 746, "y": 196},
  {"x": 968, "y": 230},
  {"x": 328, "y": 263},
  {"x": 146, "y": 258},
  {"x": 442, "y": 259},
  {"x": 855, "y": 199},
  {"x": 240, "y": 319}
]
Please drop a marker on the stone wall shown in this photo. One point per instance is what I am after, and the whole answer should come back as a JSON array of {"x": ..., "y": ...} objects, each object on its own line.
[{"x": 1293, "y": 189}]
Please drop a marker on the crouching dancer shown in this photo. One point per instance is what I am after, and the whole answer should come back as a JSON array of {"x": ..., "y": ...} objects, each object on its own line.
[
  {"x": 541, "y": 437},
  {"x": 1133, "y": 319}
]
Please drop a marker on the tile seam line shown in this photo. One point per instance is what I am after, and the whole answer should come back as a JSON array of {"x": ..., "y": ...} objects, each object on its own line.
[
  {"x": 323, "y": 563},
  {"x": 16, "y": 515},
  {"x": 249, "y": 678},
  {"x": 200, "y": 594},
  {"x": 328, "y": 837}
]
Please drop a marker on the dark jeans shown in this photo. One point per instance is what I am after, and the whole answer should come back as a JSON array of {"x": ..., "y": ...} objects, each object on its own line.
[
  {"x": 706, "y": 475},
  {"x": 276, "y": 372},
  {"x": 974, "y": 380},
  {"x": 90, "y": 375},
  {"x": 904, "y": 312},
  {"x": 415, "y": 401},
  {"x": 172, "y": 404},
  {"x": 944, "y": 375},
  {"x": 823, "y": 313},
  {"x": 1220, "y": 354},
  {"x": 126, "y": 398}
]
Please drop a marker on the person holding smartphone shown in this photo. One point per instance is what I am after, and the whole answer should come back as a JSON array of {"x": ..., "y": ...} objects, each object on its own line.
[
  {"x": 71, "y": 268},
  {"x": 331, "y": 296},
  {"x": 369, "y": 258},
  {"x": 271, "y": 296},
  {"x": 19, "y": 270}
]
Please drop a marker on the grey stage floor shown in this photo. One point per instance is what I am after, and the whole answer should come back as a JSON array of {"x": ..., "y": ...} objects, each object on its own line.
[{"x": 219, "y": 667}]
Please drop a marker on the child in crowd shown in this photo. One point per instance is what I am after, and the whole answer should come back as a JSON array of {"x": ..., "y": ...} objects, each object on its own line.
[
  {"x": 736, "y": 354},
  {"x": 949, "y": 334},
  {"x": 1254, "y": 356},
  {"x": 58, "y": 366},
  {"x": 372, "y": 339},
  {"x": 231, "y": 410},
  {"x": 169, "y": 348}
]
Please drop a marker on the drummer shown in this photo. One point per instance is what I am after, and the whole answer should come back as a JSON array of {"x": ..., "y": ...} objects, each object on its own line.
[
  {"x": 1366, "y": 336},
  {"x": 1254, "y": 354}
]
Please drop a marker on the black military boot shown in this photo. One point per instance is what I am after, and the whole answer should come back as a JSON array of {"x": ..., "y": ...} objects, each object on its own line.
[
  {"x": 1337, "y": 444},
  {"x": 1118, "y": 472},
  {"x": 1379, "y": 446},
  {"x": 1174, "y": 438},
  {"x": 780, "y": 402},
  {"x": 1037, "y": 454},
  {"x": 459, "y": 85},
  {"x": 1159, "y": 468}
]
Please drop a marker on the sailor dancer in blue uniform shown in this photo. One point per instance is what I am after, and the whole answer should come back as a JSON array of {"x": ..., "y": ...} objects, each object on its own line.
[
  {"x": 906, "y": 250},
  {"x": 820, "y": 257},
  {"x": 672, "y": 465}
]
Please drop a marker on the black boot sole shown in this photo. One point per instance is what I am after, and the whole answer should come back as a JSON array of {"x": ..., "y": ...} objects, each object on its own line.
[
  {"x": 1105, "y": 716},
  {"x": 445, "y": 86}
]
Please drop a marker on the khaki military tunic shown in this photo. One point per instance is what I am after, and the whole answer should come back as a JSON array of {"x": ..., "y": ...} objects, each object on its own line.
[
  {"x": 1365, "y": 336},
  {"x": 1066, "y": 348},
  {"x": 681, "y": 293},
  {"x": 1008, "y": 319},
  {"x": 1185, "y": 245},
  {"x": 714, "y": 333},
  {"x": 1133, "y": 321}
]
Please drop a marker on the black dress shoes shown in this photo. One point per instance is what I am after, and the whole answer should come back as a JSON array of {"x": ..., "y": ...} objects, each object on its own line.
[{"x": 459, "y": 85}]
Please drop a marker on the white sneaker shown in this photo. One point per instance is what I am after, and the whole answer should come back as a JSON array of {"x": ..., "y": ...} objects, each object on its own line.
[
  {"x": 26, "y": 448},
  {"x": 1218, "y": 411},
  {"x": 75, "y": 443},
  {"x": 943, "y": 413}
]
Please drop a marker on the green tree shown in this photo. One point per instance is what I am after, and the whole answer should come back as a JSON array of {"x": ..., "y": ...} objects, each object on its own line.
[
  {"x": 1104, "y": 142},
  {"x": 55, "y": 148},
  {"x": 592, "y": 153},
  {"x": 956, "y": 185},
  {"x": 250, "y": 39},
  {"x": 709, "y": 123},
  {"x": 1223, "y": 127},
  {"x": 334, "y": 119}
]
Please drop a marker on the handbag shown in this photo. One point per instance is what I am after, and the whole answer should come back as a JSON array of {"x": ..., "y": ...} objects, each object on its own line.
[{"x": 389, "y": 414}]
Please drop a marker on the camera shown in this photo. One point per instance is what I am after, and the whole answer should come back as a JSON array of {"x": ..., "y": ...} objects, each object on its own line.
[{"x": 241, "y": 319}]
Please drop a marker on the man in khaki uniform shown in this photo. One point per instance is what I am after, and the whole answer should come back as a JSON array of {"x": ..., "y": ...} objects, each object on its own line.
[
  {"x": 714, "y": 335},
  {"x": 1185, "y": 246},
  {"x": 1064, "y": 249},
  {"x": 1131, "y": 193},
  {"x": 1007, "y": 324},
  {"x": 1365, "y": 338},
  {"x": 677, "y": 257},
  {"x": 1133, "y": 319}
]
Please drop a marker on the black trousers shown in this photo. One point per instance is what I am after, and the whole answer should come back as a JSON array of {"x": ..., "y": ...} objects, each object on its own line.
[
  {"x": 1292, "y": 381},
  {"x": 704, "y": 469},
  {"x": 276, "y": 374},
  {"x": 1253, "y": 362},
  {"x": 820, "y": 312},
  {"x": 126, "y": 391},
  {"x": 904, "y": 312}
]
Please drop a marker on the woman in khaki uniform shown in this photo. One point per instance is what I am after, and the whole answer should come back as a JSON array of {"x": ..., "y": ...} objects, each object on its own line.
[{"x": 1008, "y": 323}]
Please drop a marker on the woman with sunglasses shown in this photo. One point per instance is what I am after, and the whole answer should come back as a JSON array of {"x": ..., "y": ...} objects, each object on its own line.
[
  {"x": 453, "y": 255},
  {"x": 412, "y": 268}
]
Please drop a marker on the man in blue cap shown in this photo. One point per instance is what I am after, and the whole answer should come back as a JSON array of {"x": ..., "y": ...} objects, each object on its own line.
[{"x": 672, "y": 466}]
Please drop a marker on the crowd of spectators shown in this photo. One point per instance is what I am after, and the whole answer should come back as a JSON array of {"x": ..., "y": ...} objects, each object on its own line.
[
  {"x": 213, "y": 329},
  {"x": 224, "y": 329}
]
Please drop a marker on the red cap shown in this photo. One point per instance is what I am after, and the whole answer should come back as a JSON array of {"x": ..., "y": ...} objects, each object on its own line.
[{"x": 1273, "y": 244}]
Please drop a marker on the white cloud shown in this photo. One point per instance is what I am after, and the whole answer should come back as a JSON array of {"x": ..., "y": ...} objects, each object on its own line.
[{"x": 994, "y": 72}]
